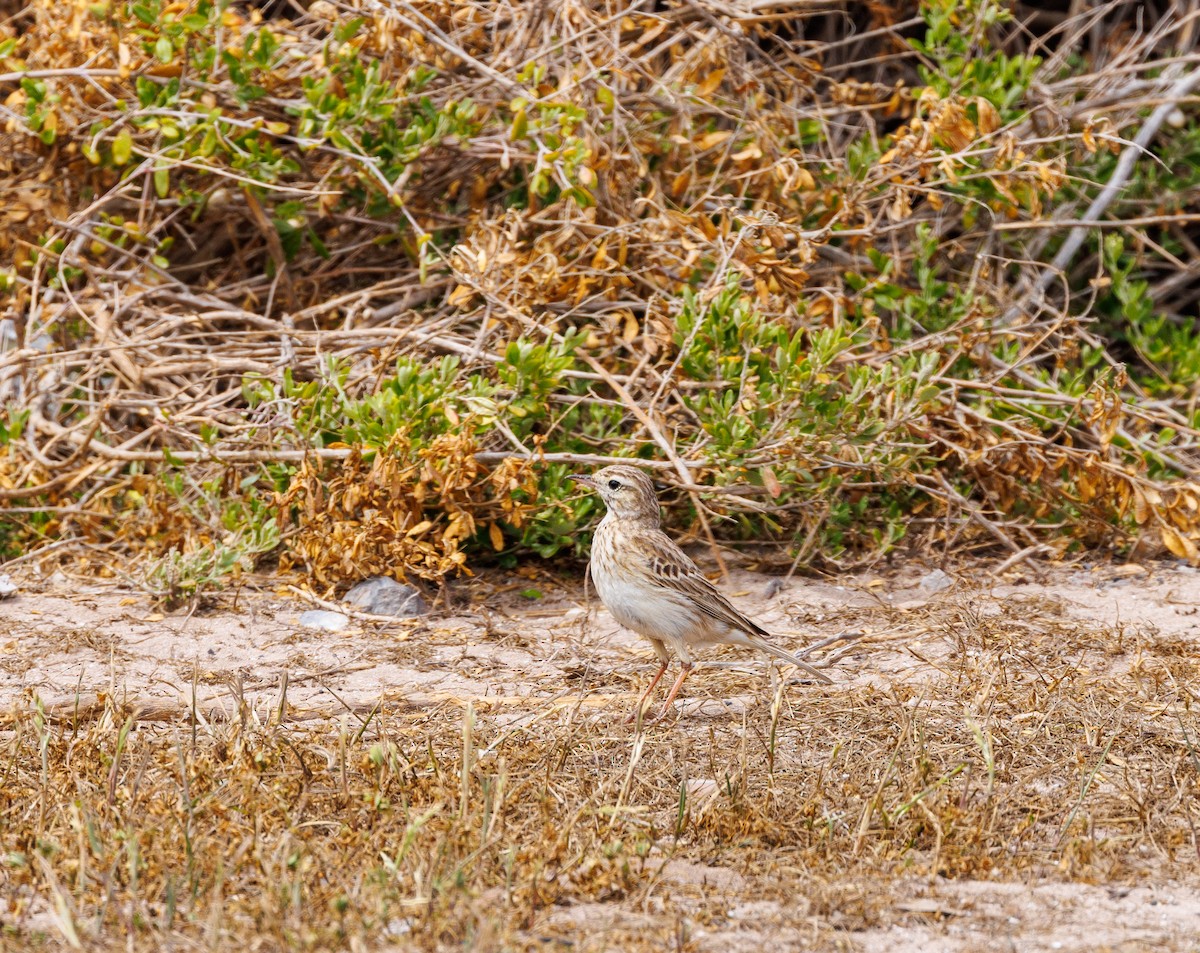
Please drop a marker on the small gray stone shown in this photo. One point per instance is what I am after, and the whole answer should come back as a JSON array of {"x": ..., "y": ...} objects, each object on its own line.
[
  {"x": 8, "y": 588},
  {"x": 382, "y": 596},
  {"x": 324, "y": 619},
  {"x": 935, "y": 581}
]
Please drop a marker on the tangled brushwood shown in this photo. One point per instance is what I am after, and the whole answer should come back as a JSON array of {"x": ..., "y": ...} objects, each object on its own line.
[{"x": 355, "y": 286}]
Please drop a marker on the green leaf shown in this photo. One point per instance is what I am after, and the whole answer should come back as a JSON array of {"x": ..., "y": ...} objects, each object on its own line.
[
  {"x": 35, "y": 89},
  {"x": 520, "y": 126},
  {"x": 122, "y": 148},
  {"x": 348, "y": 29},
  {"x": 208, "y": 145}
]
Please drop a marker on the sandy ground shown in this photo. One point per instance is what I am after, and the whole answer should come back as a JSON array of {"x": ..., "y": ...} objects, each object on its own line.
[{"x": 507, "y": 651}]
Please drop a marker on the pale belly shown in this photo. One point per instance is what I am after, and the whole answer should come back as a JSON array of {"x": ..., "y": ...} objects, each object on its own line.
[
  {"x": 650, "y": 610},
  {"x": 629, "y": 604}
]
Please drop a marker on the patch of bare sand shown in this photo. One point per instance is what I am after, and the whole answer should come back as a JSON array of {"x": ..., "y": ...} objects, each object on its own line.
[
  {"x": 970, "y": 916},
  {"x": 512, "y": 658}
]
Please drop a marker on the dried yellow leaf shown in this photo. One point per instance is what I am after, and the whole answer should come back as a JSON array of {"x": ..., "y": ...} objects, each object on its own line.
[
  {"x": 1178, "y": 544},
  {"x": 1141, "y": 507},
  {"x": 601, "y": 255},
  {"x": 989, "y": 118},
  {"x": 709, "y": 84},
  {"x": 708, "y": 140},
  {"x": 900, "y": 207},
  {"x": 632, "y": 328},
  {"x": 1087, "y": 488},
  {"x": 771, "y": 482}
]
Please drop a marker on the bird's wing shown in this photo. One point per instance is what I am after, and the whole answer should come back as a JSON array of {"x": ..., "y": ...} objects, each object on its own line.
[{"x": 679, "y": 573}]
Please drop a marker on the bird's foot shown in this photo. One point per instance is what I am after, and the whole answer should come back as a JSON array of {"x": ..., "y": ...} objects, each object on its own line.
[
  {"x": 667, "y": 709},
  {"x": 641, "y": 715}
]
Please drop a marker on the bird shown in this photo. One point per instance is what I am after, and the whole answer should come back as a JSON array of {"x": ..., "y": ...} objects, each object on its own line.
[{"x": 651, "y": 586}]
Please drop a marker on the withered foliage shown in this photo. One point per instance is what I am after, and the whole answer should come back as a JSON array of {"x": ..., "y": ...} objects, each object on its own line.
[
  {"x": 203, "y": 198},
  {"x": 368, "y": 518}
]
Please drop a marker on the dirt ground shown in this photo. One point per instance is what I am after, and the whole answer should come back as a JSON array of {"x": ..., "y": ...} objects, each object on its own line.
[{"x": 520, "y": 649}]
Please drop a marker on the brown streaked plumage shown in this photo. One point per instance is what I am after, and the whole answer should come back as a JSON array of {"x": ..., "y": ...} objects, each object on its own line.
[{"x": 651, "y": 586}]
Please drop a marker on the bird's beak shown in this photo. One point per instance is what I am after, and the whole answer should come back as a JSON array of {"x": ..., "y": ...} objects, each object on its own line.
[{"x": 584, "y": 479}]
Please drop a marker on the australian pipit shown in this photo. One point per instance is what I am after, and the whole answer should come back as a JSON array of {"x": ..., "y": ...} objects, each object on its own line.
[{"x": 651, "y": 586}]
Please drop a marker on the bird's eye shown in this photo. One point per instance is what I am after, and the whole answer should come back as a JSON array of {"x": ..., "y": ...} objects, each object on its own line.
[{"x": 614, "y": 484}]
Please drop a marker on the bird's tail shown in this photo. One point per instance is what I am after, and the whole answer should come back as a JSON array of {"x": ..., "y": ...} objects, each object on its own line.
[{"x": 786, "y": 656}]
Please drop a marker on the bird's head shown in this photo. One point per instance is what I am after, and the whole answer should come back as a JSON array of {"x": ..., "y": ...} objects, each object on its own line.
[{"x": 626, "y": 491}]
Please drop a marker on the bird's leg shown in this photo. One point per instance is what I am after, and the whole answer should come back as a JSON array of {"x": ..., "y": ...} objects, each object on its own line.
[
  {"x": 684, "y": 672},
  {"x": 646, "y": 694}
]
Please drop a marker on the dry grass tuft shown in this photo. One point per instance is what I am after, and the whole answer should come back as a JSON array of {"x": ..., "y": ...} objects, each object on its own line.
[{"x": 1025, "y": 747}]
